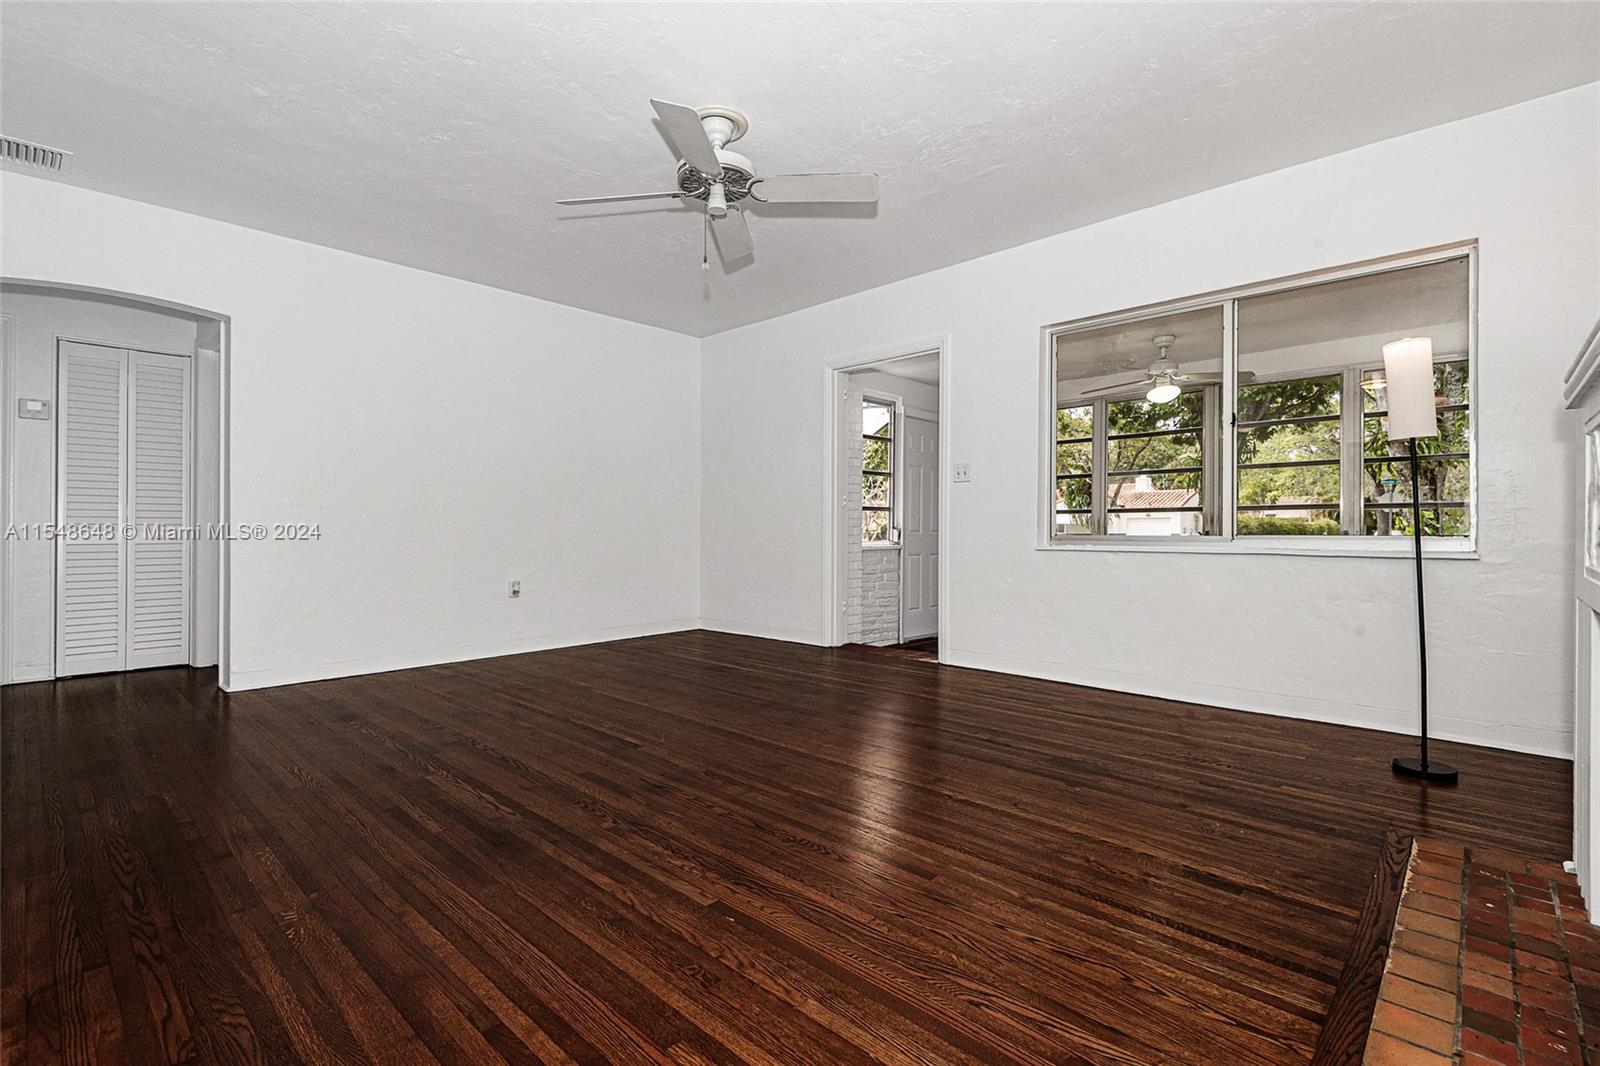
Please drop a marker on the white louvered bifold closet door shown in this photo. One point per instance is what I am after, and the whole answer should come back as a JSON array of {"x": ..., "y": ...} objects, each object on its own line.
[
  {"x": 157, "y": 615},
  {"x": 91, "y": 481},
  {"x": 122, "y": 602}
]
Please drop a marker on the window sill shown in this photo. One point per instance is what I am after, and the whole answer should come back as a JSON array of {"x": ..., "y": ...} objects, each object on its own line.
[
  {"x": 1335, "y": 547},
  {"x": 880, "y": 547}
]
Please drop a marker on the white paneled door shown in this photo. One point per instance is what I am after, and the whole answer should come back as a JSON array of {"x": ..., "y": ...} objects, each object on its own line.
[
  {"x": 123, "y": 504},
  {"x": 919, "y": 545}
]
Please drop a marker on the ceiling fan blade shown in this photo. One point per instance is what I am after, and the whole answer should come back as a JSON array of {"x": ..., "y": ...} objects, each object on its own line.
[
  {"x": 1243, "y": 375},
  {"x": 816, "y": 189},
  {"x": 621, "y": 199},
  {"x": 732, "y": 234},
  {"x": 688, "y": 137},
  {"x": 1115, "y": 385}
]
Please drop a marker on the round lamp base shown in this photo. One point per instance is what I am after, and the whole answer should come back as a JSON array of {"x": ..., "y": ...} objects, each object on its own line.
[{"x": 1432, "y": 771}]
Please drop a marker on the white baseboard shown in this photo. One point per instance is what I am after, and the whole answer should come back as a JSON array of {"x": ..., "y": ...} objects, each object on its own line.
[
  {"x": 22, "y": 675},
  {"x": 269, "y": 677},
  {"x": 1550, "y": 743},
  {"x": 765, "y": 632}
]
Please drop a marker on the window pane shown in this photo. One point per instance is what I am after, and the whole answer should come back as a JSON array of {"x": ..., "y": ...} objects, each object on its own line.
[
  {"x": 1289, "y": 456},
  {"x": 1436, "y": 521},
  {"x": 875, "y": 455},
  {"x": 1136, "y": 482},
  {"x": 1074, "y": 458},
  {"x": 1301, "y": 345},
  {"x": 1109, "y": 372},
  {"x": 1072, "y": 523},
  {"x": 1074, "y": 423},
  {"x": 1288, "y": 522},
  {"x": 1154, "y": 453},
  {"x": 1130, "y": 504},
  {"x": 1450, "y": 381},
  {"x": 1389, "y": 480},
  {"x": 877, "y": 419},
  {"x": 1292, "y": 398},
  {"x": 1289, "y": 486},
  {"x": 1289, "y": 442},
  {"x": 1145, "y": 491},
  {"x": 1138, "y": 416},
  {"x": 1455, "y": 435},
  {"x": 874, "y": 527},
  {"x": 1155, "y": 524},
  {"x": 1074, "y": 494}
]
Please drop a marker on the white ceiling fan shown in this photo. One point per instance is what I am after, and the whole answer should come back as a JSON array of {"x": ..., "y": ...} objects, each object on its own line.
[
  {"x": 1163, "y": 376},
  {"x": 725, "y": 181}
]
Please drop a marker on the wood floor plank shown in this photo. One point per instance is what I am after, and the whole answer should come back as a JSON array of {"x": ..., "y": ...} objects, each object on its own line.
[{"x": 695, "y": 848}]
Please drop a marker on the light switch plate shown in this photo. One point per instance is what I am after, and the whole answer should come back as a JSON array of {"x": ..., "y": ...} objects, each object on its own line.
[
  {"x": 39, "y": 409},
  {"x": 963, "y": 472}
]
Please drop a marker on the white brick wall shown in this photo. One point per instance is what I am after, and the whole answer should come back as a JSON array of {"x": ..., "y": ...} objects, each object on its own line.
[
  {"x": 879, "y": 612},
  {"x": 872, "y": 575}
]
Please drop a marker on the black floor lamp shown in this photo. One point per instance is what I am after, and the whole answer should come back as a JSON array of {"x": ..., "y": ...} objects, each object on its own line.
[{"x": 1408, "y": 374}]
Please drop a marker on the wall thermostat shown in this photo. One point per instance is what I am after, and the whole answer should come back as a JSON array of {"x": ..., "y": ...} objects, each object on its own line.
[{"x": 33, "y": 409}]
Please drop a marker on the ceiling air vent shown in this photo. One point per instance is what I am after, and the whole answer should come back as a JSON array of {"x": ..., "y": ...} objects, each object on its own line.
[{"x": 35, "y": 156}]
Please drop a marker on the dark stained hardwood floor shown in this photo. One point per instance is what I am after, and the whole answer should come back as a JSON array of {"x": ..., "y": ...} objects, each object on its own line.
[{"x": 695, "y": 848}]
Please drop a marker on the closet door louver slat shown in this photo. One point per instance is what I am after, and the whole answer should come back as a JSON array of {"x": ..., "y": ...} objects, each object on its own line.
[
  {"x": 158, "y": 501},
  {"x": 90, "y": 484}
]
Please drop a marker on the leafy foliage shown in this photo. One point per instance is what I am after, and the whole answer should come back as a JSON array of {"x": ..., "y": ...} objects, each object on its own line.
[
  {"x": 1389, "y": 479},
  {"x": 1270, "y": 525},
  {"x": 1292, "y": 445}
]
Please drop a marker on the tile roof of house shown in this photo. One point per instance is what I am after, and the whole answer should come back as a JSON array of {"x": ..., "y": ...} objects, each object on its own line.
[{"x": 1138, "y": 500}]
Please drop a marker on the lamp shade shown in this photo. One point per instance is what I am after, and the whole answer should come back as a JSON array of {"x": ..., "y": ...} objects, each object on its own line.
[{"x": 1408, "y": 367}]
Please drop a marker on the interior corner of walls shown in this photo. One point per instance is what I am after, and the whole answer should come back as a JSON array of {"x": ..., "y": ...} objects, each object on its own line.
[{"x": 762, "y": 630}]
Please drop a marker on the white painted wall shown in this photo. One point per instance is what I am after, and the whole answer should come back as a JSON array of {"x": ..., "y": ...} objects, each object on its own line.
[
  {"x": 29, "y": 466},
  {"x": 447, "y": 437},
  {"x": 1323, "y": 638}
]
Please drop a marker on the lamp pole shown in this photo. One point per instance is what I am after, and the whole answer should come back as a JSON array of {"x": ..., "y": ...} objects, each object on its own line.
[{"x": 1421, "y": 767}]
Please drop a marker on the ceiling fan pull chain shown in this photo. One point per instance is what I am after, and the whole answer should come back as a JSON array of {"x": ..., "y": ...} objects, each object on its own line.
[{"x": 705, "y": 245}]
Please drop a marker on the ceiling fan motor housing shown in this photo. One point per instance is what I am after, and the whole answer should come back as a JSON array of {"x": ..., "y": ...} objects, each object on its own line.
[{"x": 737, "y": 174}]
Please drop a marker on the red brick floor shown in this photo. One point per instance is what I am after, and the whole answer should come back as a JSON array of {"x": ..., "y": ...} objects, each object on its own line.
[{"x": 1493, "y": 961}]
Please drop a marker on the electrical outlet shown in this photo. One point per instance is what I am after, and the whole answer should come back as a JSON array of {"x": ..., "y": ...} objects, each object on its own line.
[
  {"x": 515, "y": 591},
  {"x": 963, "y": 472}
]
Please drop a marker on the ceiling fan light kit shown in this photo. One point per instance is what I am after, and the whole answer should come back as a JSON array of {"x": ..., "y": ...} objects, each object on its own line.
[{"x": 722, "y": 179}]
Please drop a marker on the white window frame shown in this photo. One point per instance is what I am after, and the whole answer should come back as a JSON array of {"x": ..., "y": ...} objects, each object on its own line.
[
  {"x": 896, "y": 424},
  {"x": 1225, "y": 540}
]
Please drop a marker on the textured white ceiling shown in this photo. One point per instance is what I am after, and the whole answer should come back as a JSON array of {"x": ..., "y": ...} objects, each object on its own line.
[
  {"x": 923, "y": 368},
  {"x": 439, "y": 135}
]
